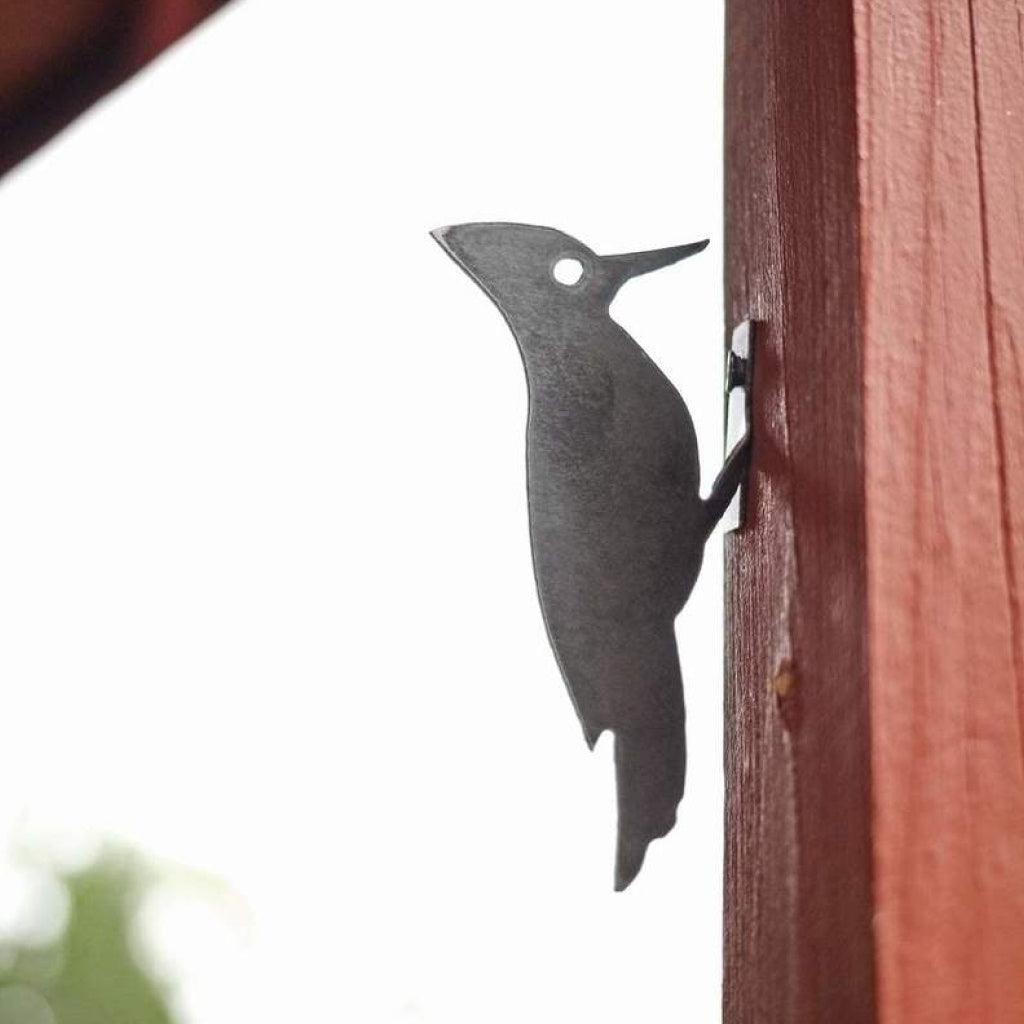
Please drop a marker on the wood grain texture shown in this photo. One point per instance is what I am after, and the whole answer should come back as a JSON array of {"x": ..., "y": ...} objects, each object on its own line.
[
  {"x": 941, "y": 111},
  {"x": 875, "y": 793},
  {"x": 57, "y": 57},
  {"x": 798, "y": 857}
]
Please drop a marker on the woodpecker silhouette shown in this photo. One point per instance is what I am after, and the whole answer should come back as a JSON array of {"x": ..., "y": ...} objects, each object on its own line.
[{"x": 617, "y": 523}]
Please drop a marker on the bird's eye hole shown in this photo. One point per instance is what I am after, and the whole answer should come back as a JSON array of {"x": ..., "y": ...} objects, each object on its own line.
[{"x": 567, "y": 271}]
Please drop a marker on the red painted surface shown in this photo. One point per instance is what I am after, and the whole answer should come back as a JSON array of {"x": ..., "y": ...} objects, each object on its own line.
[
  {"x": 165, "y": 21},
  {"x": 798, "y": 945},
  {"x": 875, "y": 755},
  {"x": 57, "y": 57},
  {"x": 941, "y": 100}
]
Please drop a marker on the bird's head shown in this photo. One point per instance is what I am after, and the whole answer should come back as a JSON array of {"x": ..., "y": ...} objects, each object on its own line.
[{"x": 535, "y": 273}]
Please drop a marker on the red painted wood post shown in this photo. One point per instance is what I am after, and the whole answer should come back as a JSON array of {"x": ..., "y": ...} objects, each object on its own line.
[
  {"x": 57, "y": 57},
  {"x": 942, "y": 224},
  {"x": 798, "y": 855},
  {"x": 875, "y": 790}
]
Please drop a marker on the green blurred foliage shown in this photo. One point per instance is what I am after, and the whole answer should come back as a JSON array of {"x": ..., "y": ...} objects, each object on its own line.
[{"x": 91, "y": 974}]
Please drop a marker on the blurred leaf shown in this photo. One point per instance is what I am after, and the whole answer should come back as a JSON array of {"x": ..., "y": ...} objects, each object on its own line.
[{"x": 91, "y": 975}]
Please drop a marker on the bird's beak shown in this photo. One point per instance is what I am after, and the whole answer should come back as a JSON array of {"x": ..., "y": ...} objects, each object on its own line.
[{"x": 633, "y": 264}]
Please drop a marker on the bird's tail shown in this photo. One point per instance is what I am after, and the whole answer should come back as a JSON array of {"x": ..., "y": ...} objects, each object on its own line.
[{"x": 650, "y": 769}]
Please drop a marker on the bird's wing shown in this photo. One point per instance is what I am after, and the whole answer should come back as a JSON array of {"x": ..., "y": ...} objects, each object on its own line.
[{"x": 617, "y": 530}]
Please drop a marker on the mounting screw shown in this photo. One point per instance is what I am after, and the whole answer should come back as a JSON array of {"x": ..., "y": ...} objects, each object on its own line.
[{"x": 737, "y": 369}]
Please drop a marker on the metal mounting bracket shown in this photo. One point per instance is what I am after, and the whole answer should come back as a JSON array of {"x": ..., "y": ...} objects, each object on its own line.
[{"x": 739, "y": 379}]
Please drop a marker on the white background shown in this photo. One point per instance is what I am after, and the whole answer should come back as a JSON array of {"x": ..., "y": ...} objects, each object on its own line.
[{"x": 266, "y": 602}]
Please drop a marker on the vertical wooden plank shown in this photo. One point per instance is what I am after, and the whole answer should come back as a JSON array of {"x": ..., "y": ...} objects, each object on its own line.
[
  {"x": 57, "y": 57},
  {"x": 941, "y": 110},
  {"x": 875, "y": 188},
  {"x": 798, "y": 862}
]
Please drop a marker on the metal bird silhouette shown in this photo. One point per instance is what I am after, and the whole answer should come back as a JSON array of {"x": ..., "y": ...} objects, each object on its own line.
[{"x": 617, "y": 523}]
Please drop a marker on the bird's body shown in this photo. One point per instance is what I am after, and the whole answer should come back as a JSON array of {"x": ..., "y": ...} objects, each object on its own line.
[{"x": 616, "y": 519}]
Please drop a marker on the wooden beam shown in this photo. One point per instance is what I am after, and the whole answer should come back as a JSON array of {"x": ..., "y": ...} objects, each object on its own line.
[
  {"x": 875, "y": 788},
  {"x": 57, "y": 57},
  {"x": 798, "y": 853},
  {"x": 941, "y": 94}
]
